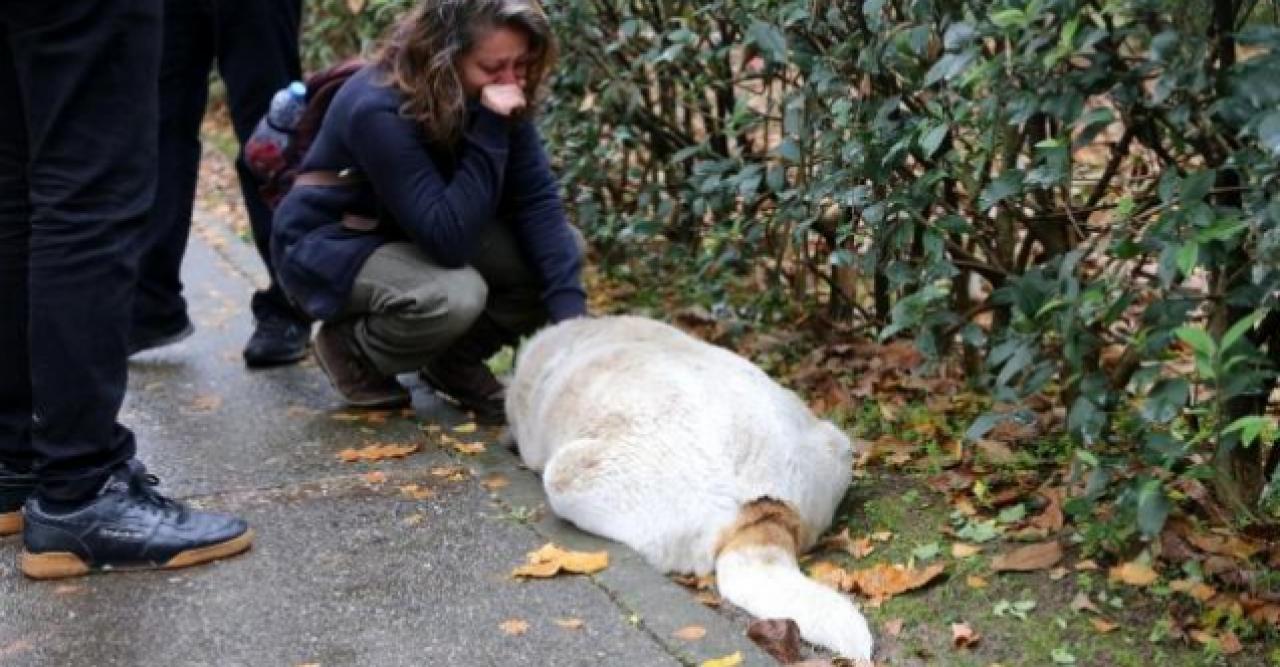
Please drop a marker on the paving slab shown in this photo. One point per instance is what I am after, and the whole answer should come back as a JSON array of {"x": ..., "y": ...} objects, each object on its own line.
[{"x": 348, "y": 568}]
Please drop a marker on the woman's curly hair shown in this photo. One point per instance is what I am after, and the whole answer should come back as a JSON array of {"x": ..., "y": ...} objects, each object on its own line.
[{"x": 419, "y": 56}]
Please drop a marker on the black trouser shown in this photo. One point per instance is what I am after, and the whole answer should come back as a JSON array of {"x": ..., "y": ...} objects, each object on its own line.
[
  {"x": 255, "y": 45},
  {"x": 78, "y": 109}
]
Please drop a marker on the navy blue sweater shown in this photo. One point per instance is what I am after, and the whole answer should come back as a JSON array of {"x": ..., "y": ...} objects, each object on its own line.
[{"x": 440, "y": 201}]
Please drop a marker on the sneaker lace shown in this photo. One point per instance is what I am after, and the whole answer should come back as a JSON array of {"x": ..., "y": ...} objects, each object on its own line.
[{"x": 144, "y": 486}]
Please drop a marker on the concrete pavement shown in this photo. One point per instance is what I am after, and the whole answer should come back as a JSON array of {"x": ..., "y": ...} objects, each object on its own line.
[{"x": 348, "y": 568}]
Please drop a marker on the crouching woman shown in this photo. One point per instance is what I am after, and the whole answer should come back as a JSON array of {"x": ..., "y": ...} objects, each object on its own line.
[{"x": 425, "y": 228}]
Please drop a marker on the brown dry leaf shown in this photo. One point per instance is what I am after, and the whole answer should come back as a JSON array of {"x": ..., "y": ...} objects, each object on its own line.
[
  {"x": 732, "y": 660},
  {"x": 570, "y": 623},
  {"x": 1102, "y": 625},
  {"x": 1229, "y": 545},
  {"x": 377, "y": 452},
  {"x": 859, "y": 548},
  {"x": 893, "y": 627},
  {"x": 1196, "y": 589},
  {"x": 1229, "y": 643},
  {"x": 469, "y": 448},
  {"x": 779, "y": 637},
  {"x": 1134, "y": 574},
  {"x": 995, "y": 452},
  {"x": 1267, "y": 614},
  {"x": 375, "y": 477},
  {"x": 468, "y": 427},
  {"x": 1081, "y": 602},
  {"x": 551, "y": 559},
  {"x": 974, "y": 581},
  {"x": 1087, "y": 564},
  {"x": 690, "y": 633},
  {"x": 203, "y": 404},
  {"x": 1059, "y": 573},
  {"x": 707, "y": 598},
  {"x": 495, "y": 481},
  {"x": 883, "y": 581},
  {"x": 1051, "y": 518},
  {"x": 1029, "y": 558},
  {"x": 417, "y": 492},
  {"x": 962, "y": 550},
  {"x": 963, "y": 636},
  {"x": 514, "y": 626},
  {"x": 830, "y": 574}
]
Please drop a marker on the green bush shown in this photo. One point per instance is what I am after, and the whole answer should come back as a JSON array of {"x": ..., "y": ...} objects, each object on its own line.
[{"x": 1071, "y": 195}]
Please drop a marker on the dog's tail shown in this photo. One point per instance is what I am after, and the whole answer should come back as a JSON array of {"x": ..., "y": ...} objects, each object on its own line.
[{"x": 756, "y": 569}]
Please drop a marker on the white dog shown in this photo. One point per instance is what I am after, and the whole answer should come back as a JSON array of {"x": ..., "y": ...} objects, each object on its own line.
[{"x": 693, "y": 457}]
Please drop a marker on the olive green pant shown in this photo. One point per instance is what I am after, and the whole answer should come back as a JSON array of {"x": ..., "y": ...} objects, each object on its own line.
[{"x": 409, "y": 309}]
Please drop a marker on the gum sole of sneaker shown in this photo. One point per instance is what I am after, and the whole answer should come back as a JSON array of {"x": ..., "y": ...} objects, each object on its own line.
[
  {"x": 60, "y": 565},
  {"x": 11, "y": 523}
]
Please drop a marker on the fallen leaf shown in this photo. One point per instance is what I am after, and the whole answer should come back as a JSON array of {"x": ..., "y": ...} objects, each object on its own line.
[
  {"x": 893, "y": 626},
  {"x": 1223, "y": 545},
  {"x": 514, "y": 626},
  {"x": 974, "y": 581},
  {"x": 690, "y": 633},
  {"x": 963, "y": 550},
  {"x": 413, "y": 519},
  {"x": 884, "y": 581},
  {"x": 551, "y": 559},
  {"x": 1088, "y": 564},
  {"x": 1029, "y": 558},
  {"x": 963, "y": 636},
  {"x": 994, "y": 451},
  {"x": 707, "y": 598},
  {"x": 732, "y": 660},
  {"x": 345, "y": 417},
  {"x": 1059, "y": 573},
  {"x": 882, "y": 536},
  {"x": 1134, "y": 574},
  {"x": 375, "y": 477},
  {"x": 468, "y": 427},
  {"x": 1051, "y": 518},
  {"x": 779, "y": 637},
  {"x": 469, "y": 448},
  {"x": 1229, "y": 643},
  {"x": 830, "y": 574},
  {"x": 452, "y": 473},
  {"x": 355, "y": 6},
  {"x": 203, "y": 404},
  {"x": 1102, "y": 625},
  {"x": 1196, "y": 589},
  {"x": 376, "y": 452},
  {"x": 570, "y": 623},
  {"x": 1081, "y": 602},
  {"x": 494, "y": 482},
  {"x": 417, "y": 492}
]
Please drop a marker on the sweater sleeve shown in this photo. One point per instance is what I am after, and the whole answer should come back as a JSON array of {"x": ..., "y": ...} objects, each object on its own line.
[
  {"x": 443, "y": 216},
  {"x": 541, "y": 226}
]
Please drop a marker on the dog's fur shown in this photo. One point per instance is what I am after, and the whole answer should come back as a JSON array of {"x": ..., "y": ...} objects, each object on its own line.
[{"x": 692, "y": 456}]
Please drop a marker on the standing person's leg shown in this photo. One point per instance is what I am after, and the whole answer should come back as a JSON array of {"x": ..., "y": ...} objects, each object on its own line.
[
  {"x": 16, "y": 482},
  {"x": 257, "y": 52},
  {"x": 87, "y": 75},
  {"x": 159, "y": 310}
]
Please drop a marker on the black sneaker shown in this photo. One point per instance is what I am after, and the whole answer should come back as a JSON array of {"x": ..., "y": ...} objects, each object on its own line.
[
  {"x": 128, "y": 525},
  {"x": 142, "y": 340},
  {"x": 277, "y": 341},
  {"x": 15, "y": 487}
]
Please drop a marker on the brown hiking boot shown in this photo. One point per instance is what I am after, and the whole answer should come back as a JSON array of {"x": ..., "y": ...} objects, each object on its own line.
[
  {"x": 355, "y": 377},
  {"x": 469, "y": 383}
]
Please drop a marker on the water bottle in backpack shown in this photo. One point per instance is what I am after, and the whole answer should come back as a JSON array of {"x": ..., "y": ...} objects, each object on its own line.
[{"x": 265, "y": 150}]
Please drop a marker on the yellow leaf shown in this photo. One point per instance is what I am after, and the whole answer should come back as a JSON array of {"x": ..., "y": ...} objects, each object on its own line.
[
  {"x": 494, "y": 482},
  {"x": 882, "y": 536},
  {"x": 1134, "y": 574},
  {"x": 732, "y": 660},
  {"x": 830, "y": 574},
  {"x": 1102, "y": 625},
  {"x": 468, "y": 427},
  {"x": 974, "y": 581},
  {"x": 570, "y": 623},
  {"x": 417, "y": 492},
  {"x": 690, "y": 633},
  {"x": 469, "y": 447},
  {"x": 377, "y": 452},
  {"x": 515, "y": 626},
  {"x": 883, "y": 581},
  {"x": 962, "y": 550},
  {"x": 550, "y": 559}
]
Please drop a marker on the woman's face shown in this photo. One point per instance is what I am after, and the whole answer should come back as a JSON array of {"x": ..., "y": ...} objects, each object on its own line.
[{"x": 501, "y": 56}]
